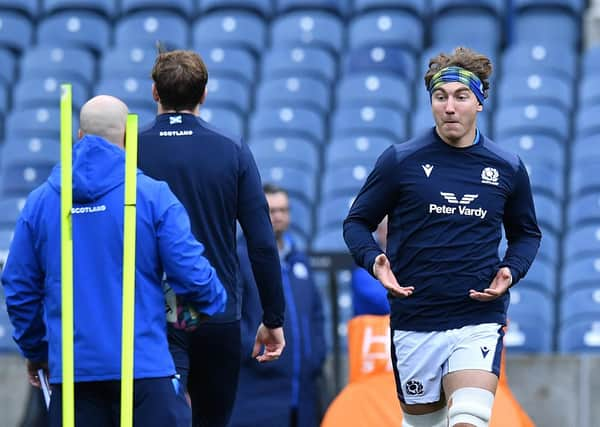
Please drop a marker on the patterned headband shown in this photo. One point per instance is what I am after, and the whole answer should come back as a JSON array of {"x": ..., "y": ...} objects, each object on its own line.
[{"x": 461, "y": 75}]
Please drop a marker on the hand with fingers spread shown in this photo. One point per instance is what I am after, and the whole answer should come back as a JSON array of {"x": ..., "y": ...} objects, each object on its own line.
[
  {"x": 383, "y": 272},
  {"x": 273, "y": 342},
  {"x": 497, "y": 288}
]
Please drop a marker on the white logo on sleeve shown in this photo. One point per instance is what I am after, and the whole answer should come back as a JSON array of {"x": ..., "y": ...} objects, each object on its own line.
[
  {"x": 490, "y": 176},
  {"x": 462, "y": 209},
  {"x": 300, "y": 270},
  {"x": 427, "y": 168},
  {"x": 175, "y": 120}
]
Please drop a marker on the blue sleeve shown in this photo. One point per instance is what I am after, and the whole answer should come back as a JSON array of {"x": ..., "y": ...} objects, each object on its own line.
[
  {"x": 188, "y": 272},
  {"x": 251, "y": 311},
  {"x": 23, "y": 281},
  {"x": 368, "y": 294},
  {"x": 520, "y": 225},
  {"x": 253, "y": 215},
  {"x": 372, "y": 204}
]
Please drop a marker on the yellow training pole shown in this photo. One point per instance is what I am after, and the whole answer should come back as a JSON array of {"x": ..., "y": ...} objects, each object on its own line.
[
  {"x": 66, "y": 204},
  {"x": 127, "y": 342}
]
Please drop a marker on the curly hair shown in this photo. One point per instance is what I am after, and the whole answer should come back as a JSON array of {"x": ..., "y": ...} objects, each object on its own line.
[{"x": 466, "y": 58}]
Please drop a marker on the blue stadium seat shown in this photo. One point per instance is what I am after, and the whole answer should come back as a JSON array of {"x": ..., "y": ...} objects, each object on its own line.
[
  {"x": 539, "y": 26},
  {"x": 590, "y": 64},
  {"x": 21, "y": 179},
  {"x": 585, "y": 150},
  {"x": 584, "y": 179},
  {"x": 308, "y": 28},
  {"x": 298, "y": 183},
  {"x": 329, "y": 241},
  {"x": 541, "y": 277},
  {"x": 225, "y": 119},
  {"x": 35, "y": 122},
  {"x": 332, "y": 212},
  {"x": 231, "y": 29},
  {"x": 301, "y": 217},
  {"x": 80, "y": 29},
  {"x": 580, "y": 337},
  {"x": 580, "y": 304},
  {"x": 16, "y": 30},
  {"x": 343, "y": 151},
  {"x": 582, "y": 241},
  {"x": 589, "y": 91},
  {"x": 125, "y": 61},
  {"x": 416, "y": 7},
  {"x": 528, "y": 336},
  {"x": 312, "y": 61},
  {"x": 581, "y": 272},
  {"x": 369, "y": 121},
  {"x": 549, "y": 212},
  {"x": 377, "y": 89},
  {"x": 459, "y": 27},
  {"x": 3, "y": 99},
  {"x": 422, "y": 120},
  {"x": 291, "y": 152},
  {"x": 296, "y": 91},
  {"x": 344, "y": 181},
  {"x": 535, "y": 88},
  {"x": 586, "y": 121},
  {"x": 107, "y": 8},
  {"x": 531, "y": 119},
  {"x": 146, "y": 28},
  {"x": 230, "y": 62},
  {"x": 45, "y": 92},
  {"x": 229, "y": 93},
  {"x": 545, "y": 180},
  {"x": 391, "y": 28},
  {"x": 530, "y": 304},
  {"x": 584, "y": 210},
  {"x": 32, "y": 150},
  {"x": 136, "y": 93},
  {"x": 63, "y": 64},
  {"x": 536, "y": 148},
  {"x": 183, "y": 7},
  {"x": 339, "y": 7},
  {"x": 573, "y": 7},
  {"x": 534, "y": 57},
  {"x": 8, "y": 66},
  {"x": 381, "y": 59},
  {"x": 10, "y": 209},
  {"x": 261, "y": 7},
  {"x": 28, "y": 8},
  {"x": 145, "y": 116},
  {"x": 288, "y": 122}
]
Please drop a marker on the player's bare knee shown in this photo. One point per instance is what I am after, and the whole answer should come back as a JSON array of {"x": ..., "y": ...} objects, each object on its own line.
[
  {"x": 437, "y": 418},
  {"x": 470, "y": 407}
]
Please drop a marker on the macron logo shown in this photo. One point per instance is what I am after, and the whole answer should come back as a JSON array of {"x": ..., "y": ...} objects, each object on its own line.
[{"x": 427, "y": 169}]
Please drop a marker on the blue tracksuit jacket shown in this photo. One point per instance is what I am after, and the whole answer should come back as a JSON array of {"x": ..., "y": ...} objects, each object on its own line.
[
  {"x": 446, "y": 210},
  {"x": 32, "y": 275},
  {"x": 267, "y": 392}
]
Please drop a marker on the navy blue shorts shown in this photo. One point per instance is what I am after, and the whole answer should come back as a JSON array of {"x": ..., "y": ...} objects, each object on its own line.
[
  {"x": 158, "y": 402},
  {"x": 208, "y": 361}
]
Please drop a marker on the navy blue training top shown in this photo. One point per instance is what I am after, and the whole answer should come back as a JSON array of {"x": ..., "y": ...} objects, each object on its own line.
[
  {"x": 217, "y": 181},
  {"x": 446, "y": 207}
]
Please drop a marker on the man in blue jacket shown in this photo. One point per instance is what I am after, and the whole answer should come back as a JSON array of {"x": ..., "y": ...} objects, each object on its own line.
[
  {"x": 282, "y": 393},
  {"x": 447, "y": 193},
  {"x": 215, "y": 177},
  {"x": 32, "y": 280}
]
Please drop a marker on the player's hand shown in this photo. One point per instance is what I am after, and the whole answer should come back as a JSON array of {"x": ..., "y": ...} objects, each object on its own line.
[
  {"x": 383, "y": 271},
  {"x": 273, "y": 342},
  {"x": 497, "y": 288},
  {"x": 32, "y": 372}
]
